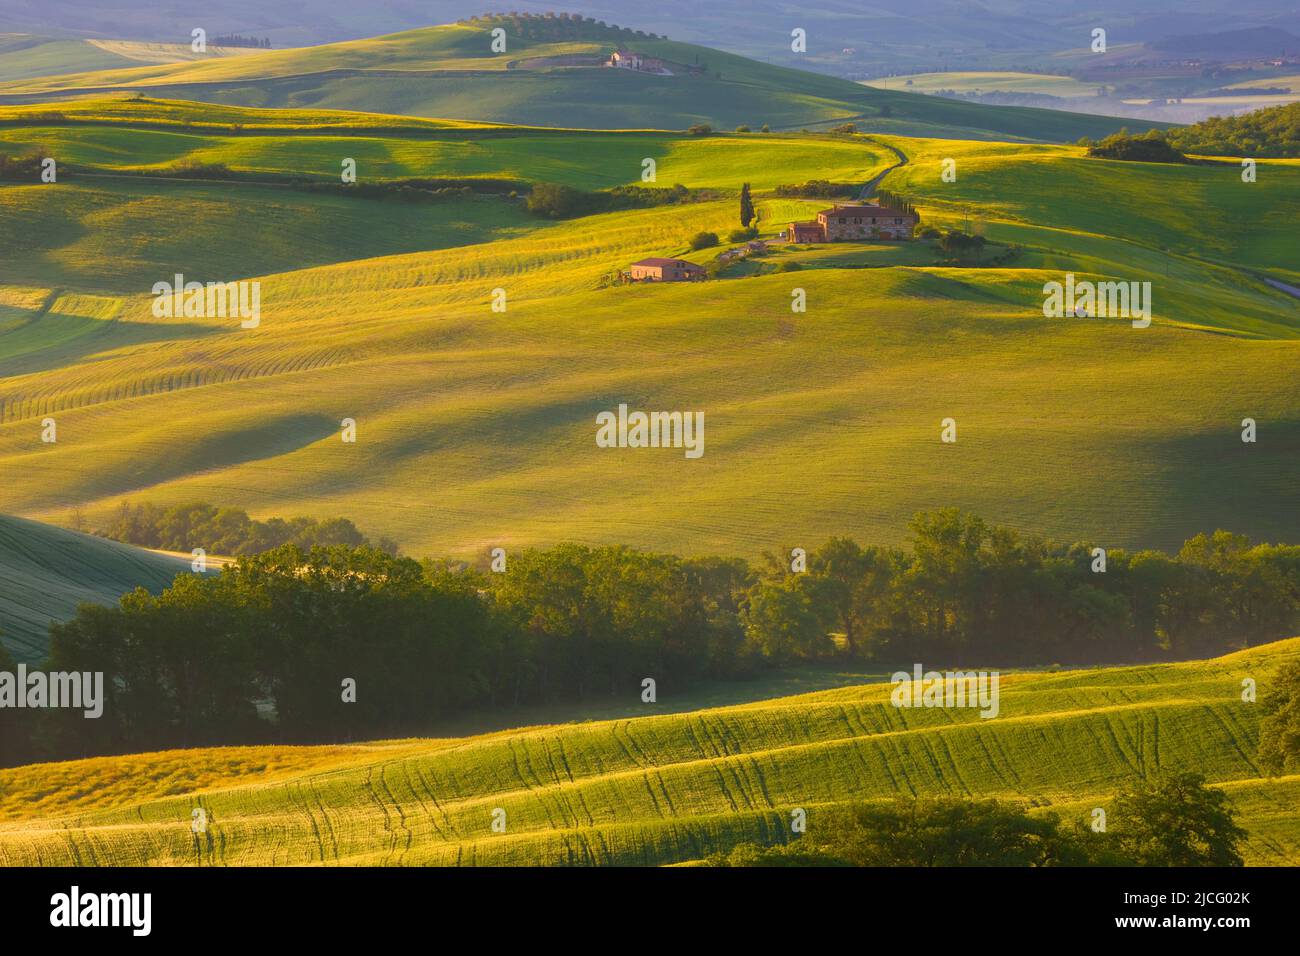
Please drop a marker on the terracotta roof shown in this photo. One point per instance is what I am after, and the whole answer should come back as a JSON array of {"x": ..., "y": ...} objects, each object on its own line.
[{"x": 660, "y": 261}]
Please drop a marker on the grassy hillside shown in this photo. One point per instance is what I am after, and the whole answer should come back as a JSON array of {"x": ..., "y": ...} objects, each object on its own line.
[
  {"x": 451, "y": 71},
  {"x": 476, "y": 428},
  {"x": 992, "y": 81},
  {"x": 115, "y": 236},
  {"x": 660, "y": 789},
  {"x": 46, "y": 572},
  {"x": 23, "y": 57},
  {"x": 116, "y": 136},
  {"x": 1161, "y": 206}
]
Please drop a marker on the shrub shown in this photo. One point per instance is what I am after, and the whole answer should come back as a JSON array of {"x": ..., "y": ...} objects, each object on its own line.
[
  {"x": 817, "y": 189},
  {"x": 558, "y": 201},
  {"x": 704, "y": 240},
  {"x": 1150, "y": 147},
  {"x": 21, "y": 168}
]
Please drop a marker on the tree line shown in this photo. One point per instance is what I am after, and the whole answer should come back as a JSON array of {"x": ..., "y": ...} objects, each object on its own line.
[
  {"x": 1268, "y": 133},
  {"x": 263, "y": 651},
  {"x": 227, "y": 531},
  {"x": 560, "y": 201},
  {"x": 1174, "y": 820}
]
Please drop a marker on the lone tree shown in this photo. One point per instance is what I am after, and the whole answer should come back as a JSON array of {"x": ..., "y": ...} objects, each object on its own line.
[
  {"x": 1279, "y": 731},
  {"x": 746, "y": 206},
  {"x": 1177, "y": 821}
]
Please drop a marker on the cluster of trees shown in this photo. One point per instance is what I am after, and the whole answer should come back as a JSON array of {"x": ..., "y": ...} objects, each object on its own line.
[
  {"x": 968, "y": 591},
  {"x": 1148, "y": 147},
  {"x": 265, "y": 650},
  {"x": 25, "y": 168},
  {"x": 227, "y": 531},
  {"x": 894, "y": 200},
  {"x": 560, "y": 25},
  {"x": 560, "y": 201},
  {"x": 1267, "y": 133},
  {"x": 958, "y": 246},
  {"x": 278, "y": 632},
  {"x": 405, "y": 190},
  {"x": 415, "y": 190},
  {"x": 1169, "y": 821},
  {"x": 817, "y": 189},
  {"x": 1279, "y": 731}
]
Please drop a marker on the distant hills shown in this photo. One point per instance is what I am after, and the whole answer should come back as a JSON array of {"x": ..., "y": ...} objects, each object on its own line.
[
  {"x": 548, "y": 76},
  {"x": 1258, "y": 41},
  {"x": 845, "y": 37}
]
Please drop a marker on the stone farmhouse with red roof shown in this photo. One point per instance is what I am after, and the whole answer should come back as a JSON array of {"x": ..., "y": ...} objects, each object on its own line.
[{"x": 856, "y": 221}]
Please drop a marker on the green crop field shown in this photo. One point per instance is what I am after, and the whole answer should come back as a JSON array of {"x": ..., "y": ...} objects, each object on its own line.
[
  {"x": 986, "y": 82},
  {"x": 46, "y": 572},
  {"x": 660, "y": 789},
  {"x": 23, "y": 57},
  {"x": 472, "y": 343},
  {"x": 108, "y": 141},
  {"x": 476, "y": 428},
  {"x": 451, "y": 71}
]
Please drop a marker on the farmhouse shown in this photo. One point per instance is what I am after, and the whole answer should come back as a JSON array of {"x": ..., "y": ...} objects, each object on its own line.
[
  {"x": 858, "y": 221},
  {"x": 627, "y": 60},
  {"x": 657, "y": 269},
  {"x": 805, "y": 232}
]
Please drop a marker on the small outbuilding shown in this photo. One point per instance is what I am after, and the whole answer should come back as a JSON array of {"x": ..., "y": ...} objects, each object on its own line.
[{"x": 656, "y": 269}]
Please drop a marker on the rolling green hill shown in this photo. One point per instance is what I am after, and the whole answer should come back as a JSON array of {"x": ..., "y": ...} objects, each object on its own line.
[
  {"x": 24, "y": 57},
  {"x": 986, "y": 82},
  {"x": 476, "y": 428},
  {"x": 660, "y": 789},
  {"x": 46, "y": 572},
  {"x": 105, "y": 135},
  {"x": 549, "y": 76}
]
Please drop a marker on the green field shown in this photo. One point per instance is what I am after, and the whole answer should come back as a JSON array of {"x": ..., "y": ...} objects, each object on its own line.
[
  {"x": 584, "y": 159},
  {"x": 476, "y": 428},
  {"x": 476, "y": 425},
  {"x": 986, "y": 82},
  {"x": 24, "y": 57},
  {"x": 46, "y": 572},
  {"x": 647, "y": 790},
  {"x": 451, "y": 71}
]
